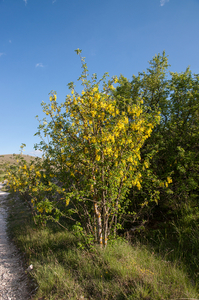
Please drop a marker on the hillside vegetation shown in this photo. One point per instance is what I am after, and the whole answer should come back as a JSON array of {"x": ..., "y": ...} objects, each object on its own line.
[
  {"x": 10, "y": 159},
  {"x": 114, "y": 201}
]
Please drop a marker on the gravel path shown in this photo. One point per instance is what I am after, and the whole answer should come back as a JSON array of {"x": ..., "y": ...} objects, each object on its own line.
[{"x": 13, "y": 279}]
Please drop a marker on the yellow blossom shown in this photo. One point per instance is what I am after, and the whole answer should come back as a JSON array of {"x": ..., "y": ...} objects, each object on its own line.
[
  {"x": 98, "y": 157},
  {"x": 95, "y": 89},
  {"x": 115, "y": 80},
  {"x": 169, "y": 180}
]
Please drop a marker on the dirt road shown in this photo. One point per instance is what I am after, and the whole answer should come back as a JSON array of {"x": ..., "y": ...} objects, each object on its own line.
[{"x": 13, "y": 279}]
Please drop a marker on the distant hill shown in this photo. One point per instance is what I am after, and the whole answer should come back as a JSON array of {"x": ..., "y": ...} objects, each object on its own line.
[{"x": 11, "y": 159}]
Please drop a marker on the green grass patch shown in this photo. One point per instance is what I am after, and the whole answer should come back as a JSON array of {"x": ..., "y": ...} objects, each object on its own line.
[
  {"x": 177, "y": 240},
  {"x": 121, "y": 271},
  {"x": 2, "y": 177}
]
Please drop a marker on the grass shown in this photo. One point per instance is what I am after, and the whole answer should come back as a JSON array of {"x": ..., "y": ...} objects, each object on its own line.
[
  {"x": 62, "y": 270},
  {"x": 2, "y": 177},
  {"x": 178, "y": 240}
]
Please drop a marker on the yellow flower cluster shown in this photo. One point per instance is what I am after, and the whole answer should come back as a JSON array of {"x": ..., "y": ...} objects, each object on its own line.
[{"x": 169, "y": 180}]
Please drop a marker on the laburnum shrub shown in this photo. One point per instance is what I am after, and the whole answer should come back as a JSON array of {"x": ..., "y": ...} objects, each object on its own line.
[
  {"x": 93, "y": 150},
  {"x": 34, "y": 185}
]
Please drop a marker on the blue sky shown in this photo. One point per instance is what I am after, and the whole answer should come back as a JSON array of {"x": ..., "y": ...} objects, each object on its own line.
[{"x": 38, "y": 39}]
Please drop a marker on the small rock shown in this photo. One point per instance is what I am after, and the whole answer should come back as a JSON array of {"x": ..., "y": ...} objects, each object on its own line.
[{"x": 29, "y": 269}]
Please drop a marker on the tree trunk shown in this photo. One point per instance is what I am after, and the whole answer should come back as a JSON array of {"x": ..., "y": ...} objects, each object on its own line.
[{"x": 99, "y": 224}]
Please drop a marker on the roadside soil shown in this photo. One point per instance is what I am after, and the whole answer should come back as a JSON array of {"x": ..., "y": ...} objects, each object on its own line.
[{"x": 14, "y": 283}]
